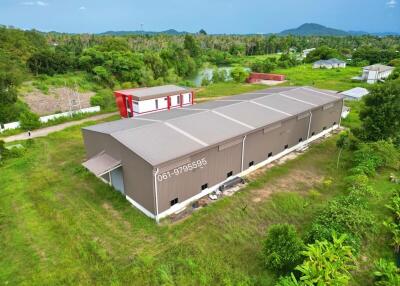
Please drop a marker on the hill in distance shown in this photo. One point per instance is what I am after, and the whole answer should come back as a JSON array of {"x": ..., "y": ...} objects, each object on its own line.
[
  {"x": 313, "y": 29},
  {"x": 166, "y": 32}
]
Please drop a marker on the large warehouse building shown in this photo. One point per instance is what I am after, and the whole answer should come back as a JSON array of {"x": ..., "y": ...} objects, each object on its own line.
[{"x": 163, "y": 161}]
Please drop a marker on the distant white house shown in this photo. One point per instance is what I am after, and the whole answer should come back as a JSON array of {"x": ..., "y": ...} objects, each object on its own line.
[
  {"x": 355, "y": 93},
  {"x": 372, "y": 74},
  {"x": 329, "y": 64}
]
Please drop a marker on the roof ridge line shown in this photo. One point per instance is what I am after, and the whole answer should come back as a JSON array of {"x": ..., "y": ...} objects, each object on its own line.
[
  {"x": 190, "y": 136},
  {"x": 271, "y": 108},
  {"x": 233, "y": 120},
  {"x": 317, "y": 91},
  {"x": 296, "y": 99},
  {"x": 138, "y": 127}
]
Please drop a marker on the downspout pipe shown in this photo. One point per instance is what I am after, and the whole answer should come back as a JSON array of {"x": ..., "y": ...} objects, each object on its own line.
[
  {"x": 340, "y": 118},
  {"x": 156, "y": 192},
  {"x": 309, "y": 126},
  {"x": 244, "y": 139}
]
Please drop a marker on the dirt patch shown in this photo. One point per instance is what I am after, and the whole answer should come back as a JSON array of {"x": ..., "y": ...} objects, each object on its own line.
[
  {"x": 295, "y": 181},
  {"x": 57, "y": 100}
]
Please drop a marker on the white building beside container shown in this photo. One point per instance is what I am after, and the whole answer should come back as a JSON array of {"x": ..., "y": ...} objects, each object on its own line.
[{"x": 372, "y": 74}]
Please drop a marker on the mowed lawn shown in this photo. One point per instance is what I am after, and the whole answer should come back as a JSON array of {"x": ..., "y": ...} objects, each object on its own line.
[
  {"x": 302, "y": 75},
  {"x": 59, "y": 225},
  {"x": 334, "y": 79},
  {"x": 213, "y": 91}
]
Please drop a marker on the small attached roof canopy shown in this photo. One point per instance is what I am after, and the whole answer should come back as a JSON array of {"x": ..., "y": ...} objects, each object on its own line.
[
  {"x": 378, "y": 67},
  {"x": 145, "y": 93},
  {"x": 356, "y": 92},
  {"x": 101, "y": 164}
]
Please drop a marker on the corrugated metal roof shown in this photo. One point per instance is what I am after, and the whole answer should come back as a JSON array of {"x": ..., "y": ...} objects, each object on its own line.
[
  {"x": 157, "y": 143},
  {"x": 209, "y": 127},
  {"x": 212, "y": 104},
  {"x": 378, "y": 67},
  {"x": 119, "y": 125},
  {"x": 163, "y": 136},
  {"x": 251, "y": 114},
  {"x": 153, "y": 92},
  {"x": 329, "y": 62},
  {"x": 311, "y": 96},
  {"x": 356, "y": 92},
  {"x": 173, "y": 113},
  {"x": 283, "y": 103}
]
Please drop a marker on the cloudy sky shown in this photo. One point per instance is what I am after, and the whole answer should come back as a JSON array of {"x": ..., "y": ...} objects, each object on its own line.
[{"x": 215, "y": 16}]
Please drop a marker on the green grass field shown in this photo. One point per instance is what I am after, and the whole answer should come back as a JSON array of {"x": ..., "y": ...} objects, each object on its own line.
[
  {"x": 59, "y": 225},
  {"x": 334, "y": 79},
  {"x": 225, "y": 89}
]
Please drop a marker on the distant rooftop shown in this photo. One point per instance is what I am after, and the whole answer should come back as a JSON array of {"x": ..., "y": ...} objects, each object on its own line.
[
  {"x": 153, "y": 92},
  {"x": 330, "y": 61},
  {"x": 163, "y": 136},
  {"x": 378, "y": 67},
  {"x": 356, "y": 92}
]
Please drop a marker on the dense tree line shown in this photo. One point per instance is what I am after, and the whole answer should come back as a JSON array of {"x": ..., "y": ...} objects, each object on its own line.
[{"x": 145, "y": 60}]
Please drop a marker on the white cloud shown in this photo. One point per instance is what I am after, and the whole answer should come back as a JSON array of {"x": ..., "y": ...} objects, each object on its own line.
[
  {"x": 35, "y": 3},
  {"x": 41, "y": 3},
  {"x": 82, "y": 8},
  {"x": 391, "y": 3}
]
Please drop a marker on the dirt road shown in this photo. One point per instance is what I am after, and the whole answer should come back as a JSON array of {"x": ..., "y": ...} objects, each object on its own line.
[{"x": 45, "y": 131}]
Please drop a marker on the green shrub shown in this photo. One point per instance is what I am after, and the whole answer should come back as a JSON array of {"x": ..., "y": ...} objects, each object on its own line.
[
  {"x": 29, "y": 120},
  {"x": 2, "y": 149},
  {"x": 386, "y": 273},
  {"x": 371, "y": 156},
  {"x": 393, "y": 224},
  {"x": 359, "y": 187},
  {"x": 288, "y": 281},
  {"x": 239, "y": 74},
  {"x": 327, "y": 263},
  {"x": 282, "y": 248},
  {"x": 219, "y": 75},
  {"x": 205, "y": 81},
  {"x": 104, "y": 98},
  {"x": 345, "y": 215}
]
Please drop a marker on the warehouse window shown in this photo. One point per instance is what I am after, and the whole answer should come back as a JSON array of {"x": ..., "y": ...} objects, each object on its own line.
[
  {"x": 179, "y": 99},
  {"x": 174, "y": 202},
  {"x": 269, "y": 154},
  {"x": 300, "y": 139},
  {"x": 251, "y": 163},
  {"x": 286, "y": 146},
  {"x": 203, "y": 187},
  {"x": 229, "y": 174}
]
